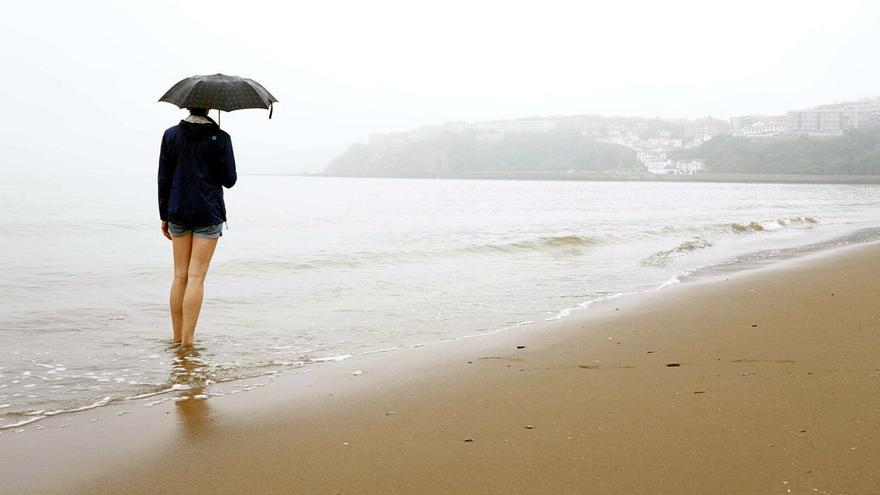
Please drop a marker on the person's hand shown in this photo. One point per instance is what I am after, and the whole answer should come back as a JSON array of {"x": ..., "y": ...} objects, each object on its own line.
[{"x": 165, "y": 229}]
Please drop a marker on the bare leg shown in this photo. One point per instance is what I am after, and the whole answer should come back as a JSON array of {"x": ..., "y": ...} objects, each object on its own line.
[
  {"x": 182, "y": 248},
  {"x": 200, "y": 259}
]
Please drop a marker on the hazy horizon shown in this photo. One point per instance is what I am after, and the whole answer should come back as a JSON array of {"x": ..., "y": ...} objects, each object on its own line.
[{"x": 86, "y": 78}]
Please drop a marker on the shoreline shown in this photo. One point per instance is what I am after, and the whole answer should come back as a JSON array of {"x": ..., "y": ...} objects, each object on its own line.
[
  {"x": 702, "y": 274},
  {"x": 329, "y": 430},
  {"x": 622, "y": 177}
]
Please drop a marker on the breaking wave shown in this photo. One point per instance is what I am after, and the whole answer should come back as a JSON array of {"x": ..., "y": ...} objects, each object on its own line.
[
  {"x": 706, "y": 236},
  {"x": 750, "y": 227},
  {"x": 662, "y": 258},
  {"x": 549, "y": 244},
  {"x": 541, "y": 243},
  {"x": 701, "y": 237}
]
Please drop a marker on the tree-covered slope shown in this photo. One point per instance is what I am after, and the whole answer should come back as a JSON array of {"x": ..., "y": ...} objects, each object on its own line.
[
  {"x": 470, "y": 152},
  {"x": 856, "y": 152}
]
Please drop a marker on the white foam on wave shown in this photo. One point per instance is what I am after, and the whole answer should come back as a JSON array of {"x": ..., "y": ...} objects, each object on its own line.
[
  {"x": 341, "y": 357},
  {"x": 672, "y": 281},
  {"x": 473, "y": 335},
  {"x": 102, "y": 402},
  {"x": 149, "y": 394},
  {"x": 157, "y": 402},
  {"x": 377, "y": 351},
  {"x": 21, "y": 423},
  {"x": 38, "y": 415},
  {"x": 568, "y": 311}
]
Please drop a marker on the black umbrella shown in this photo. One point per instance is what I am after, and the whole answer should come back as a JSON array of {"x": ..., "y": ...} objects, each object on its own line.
[{"x": 219, "y": 91}]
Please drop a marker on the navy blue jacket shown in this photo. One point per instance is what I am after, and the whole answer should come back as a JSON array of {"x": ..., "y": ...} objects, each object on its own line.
[{"x": 195, "y": 163}]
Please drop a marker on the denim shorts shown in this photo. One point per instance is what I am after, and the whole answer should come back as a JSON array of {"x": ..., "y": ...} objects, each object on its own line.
[{"x": 204, "y": 231}]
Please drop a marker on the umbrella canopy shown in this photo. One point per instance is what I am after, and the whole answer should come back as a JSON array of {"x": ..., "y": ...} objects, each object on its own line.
[{"x": 219, "y": 91}]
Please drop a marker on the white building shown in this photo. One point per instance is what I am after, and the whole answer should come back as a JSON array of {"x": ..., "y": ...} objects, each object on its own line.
[
  {"x": 688, "y": 167},
  {"x": 758, "y": 125},
  {"x": 761, "y": 128},
  {"x": 834, "y": 118},
  {"x": 659, "y": 164}
]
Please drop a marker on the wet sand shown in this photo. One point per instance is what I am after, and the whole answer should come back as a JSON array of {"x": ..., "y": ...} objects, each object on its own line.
[{"x": 764, "y": 382}]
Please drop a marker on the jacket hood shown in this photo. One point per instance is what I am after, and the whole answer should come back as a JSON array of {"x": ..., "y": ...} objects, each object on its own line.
[{"x": 199, "y": 131}]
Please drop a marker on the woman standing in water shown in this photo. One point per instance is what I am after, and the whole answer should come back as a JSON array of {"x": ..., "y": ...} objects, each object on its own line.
[{"x": 195, "y": 164}]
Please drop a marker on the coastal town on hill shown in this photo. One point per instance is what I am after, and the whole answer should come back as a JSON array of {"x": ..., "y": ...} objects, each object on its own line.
[{"x": 655, "y": 139}]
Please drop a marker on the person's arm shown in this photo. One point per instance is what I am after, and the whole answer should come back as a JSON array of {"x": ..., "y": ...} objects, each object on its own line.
[
  {"x": 166, "y": 174},
  {"x": 227, "y": 164}
]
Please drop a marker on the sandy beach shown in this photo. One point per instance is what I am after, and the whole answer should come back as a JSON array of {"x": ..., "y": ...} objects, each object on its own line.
[{"x": 763, "y": 381}]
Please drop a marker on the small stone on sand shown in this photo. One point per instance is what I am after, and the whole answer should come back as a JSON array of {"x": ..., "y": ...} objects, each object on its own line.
[
  {"x": 672, "y": 365},
  {"x": 468, "y": 439}
]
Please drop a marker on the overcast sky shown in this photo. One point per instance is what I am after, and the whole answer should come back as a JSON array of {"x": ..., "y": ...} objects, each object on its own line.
[{"x": 81, "y": 79}]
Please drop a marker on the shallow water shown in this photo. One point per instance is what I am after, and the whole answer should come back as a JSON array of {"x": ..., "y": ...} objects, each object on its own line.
[{"x": 317, "y": 269}]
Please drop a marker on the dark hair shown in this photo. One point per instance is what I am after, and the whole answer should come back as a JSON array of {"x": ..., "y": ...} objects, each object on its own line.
[{"x": 200, "y": 112}]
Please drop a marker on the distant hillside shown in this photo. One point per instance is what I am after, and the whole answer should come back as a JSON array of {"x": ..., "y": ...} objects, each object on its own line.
[
  {"x": 560, "y": 150},
  {"x": 856, "y": 152}
]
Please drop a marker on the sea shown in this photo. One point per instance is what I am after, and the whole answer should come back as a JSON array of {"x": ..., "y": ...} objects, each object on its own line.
[{"x": 314, "y": 270}]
